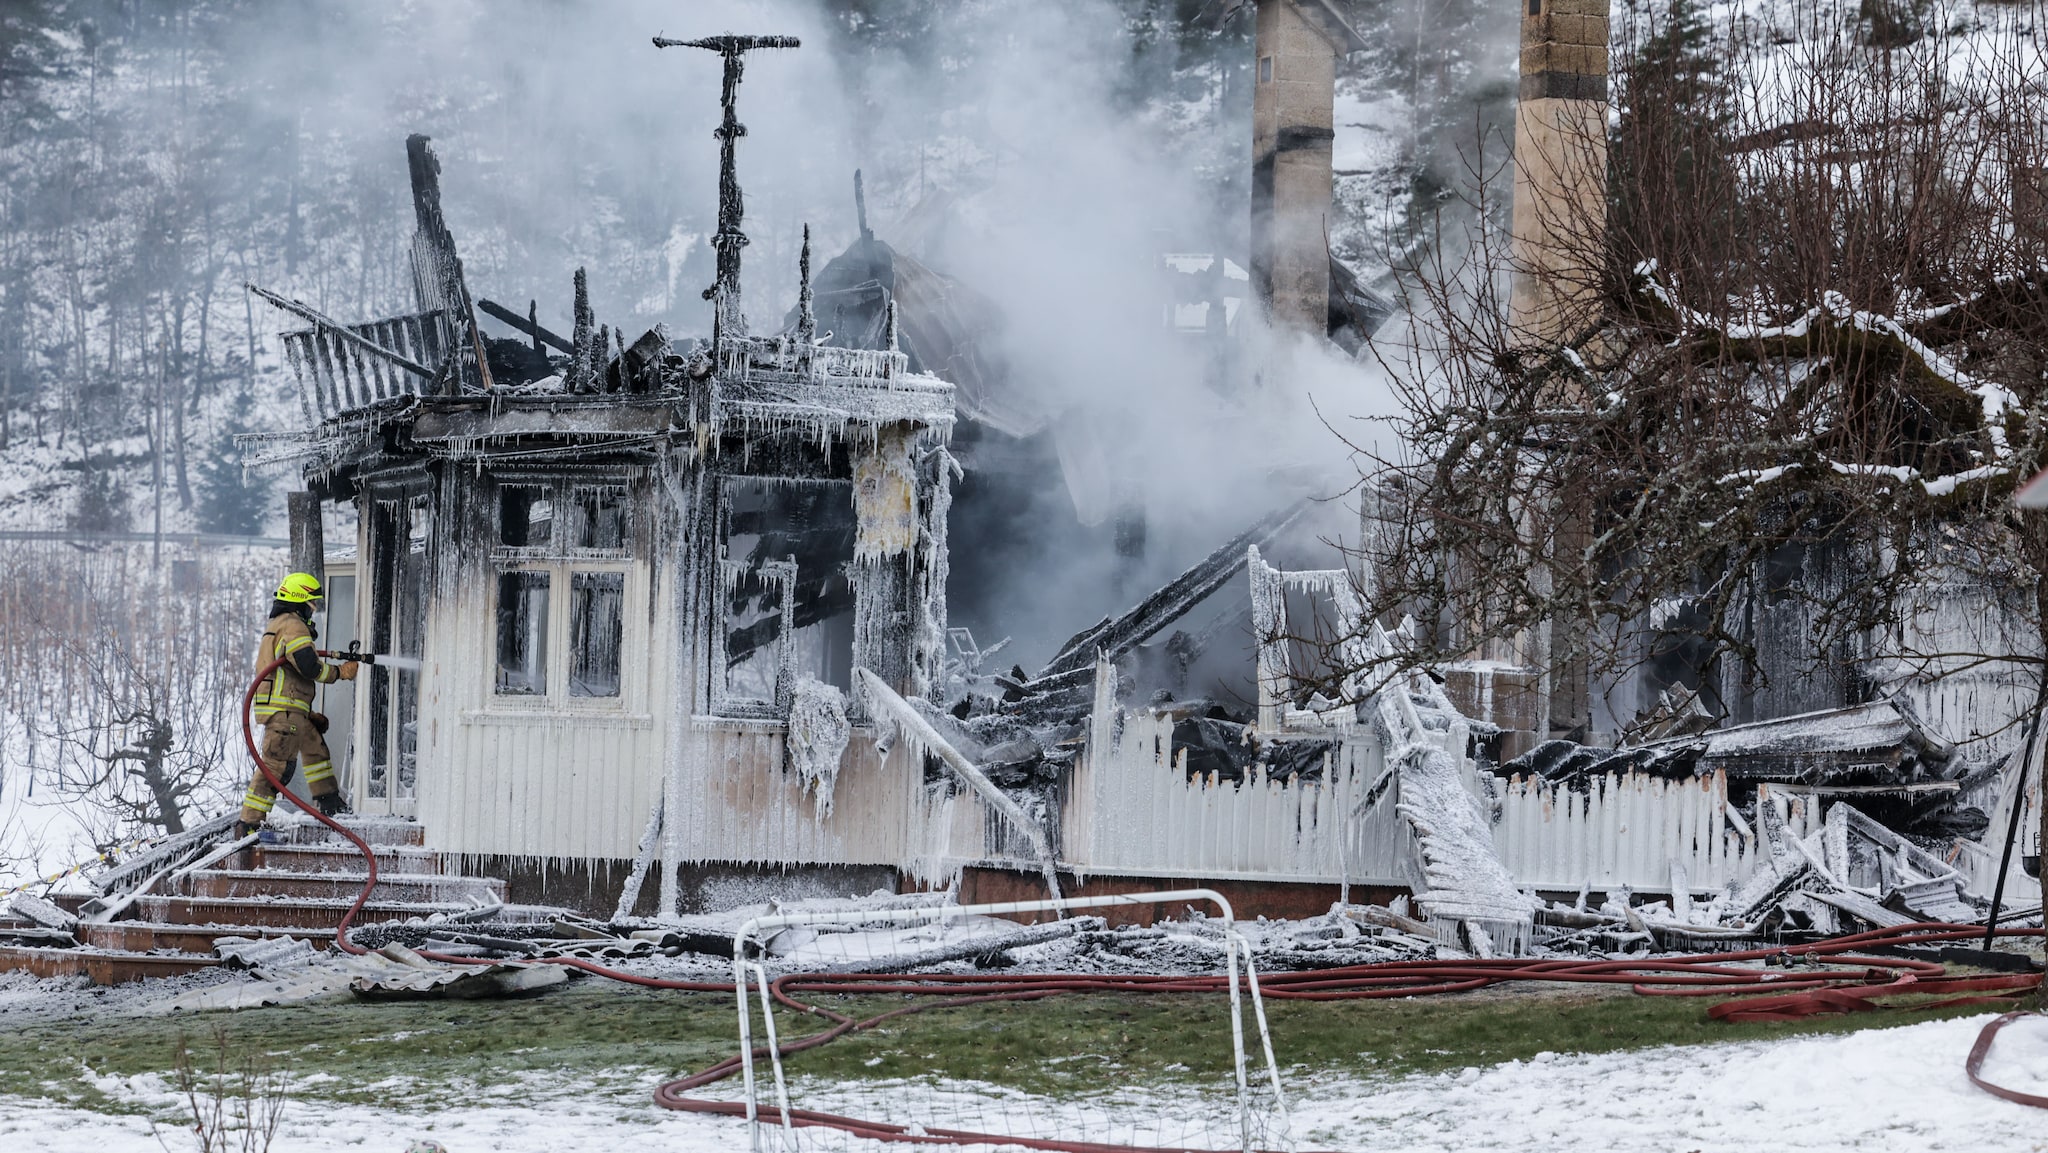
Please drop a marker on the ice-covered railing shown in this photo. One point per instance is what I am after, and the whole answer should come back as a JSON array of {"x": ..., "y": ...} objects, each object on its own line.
[
  {"x": 343, "y": 367},
  {"x": 780, "y": 359},
  {"x": 773, "y": 386}
]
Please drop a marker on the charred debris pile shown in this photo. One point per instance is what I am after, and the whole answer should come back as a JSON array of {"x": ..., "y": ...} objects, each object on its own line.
[{"x": 1860, "y": 817}]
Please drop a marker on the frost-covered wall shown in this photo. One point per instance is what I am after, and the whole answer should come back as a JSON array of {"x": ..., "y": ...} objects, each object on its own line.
[
  {"x": 1963, "y": 660},
  {"x": 535, "y": 778},
  {"x": 565, "y": 772}
]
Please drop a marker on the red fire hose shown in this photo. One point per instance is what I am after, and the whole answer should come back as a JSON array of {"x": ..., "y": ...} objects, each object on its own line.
[{"x": 1858, "y": 982}]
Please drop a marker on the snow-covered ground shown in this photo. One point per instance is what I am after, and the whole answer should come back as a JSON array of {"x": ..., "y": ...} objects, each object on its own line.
[{"x": 1899, "y": 1088}]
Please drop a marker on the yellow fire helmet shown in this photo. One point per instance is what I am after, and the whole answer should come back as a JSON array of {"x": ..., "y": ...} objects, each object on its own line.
[{"x": 300, "y": 589}]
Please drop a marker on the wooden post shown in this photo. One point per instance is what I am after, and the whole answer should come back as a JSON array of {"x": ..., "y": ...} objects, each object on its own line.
[
  {"x": 308, "y": 547},
  {"x": 533, "y": 319}
]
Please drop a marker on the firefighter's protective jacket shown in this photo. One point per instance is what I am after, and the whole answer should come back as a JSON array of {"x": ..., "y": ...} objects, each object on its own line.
[{"x": 291, "y": 686}]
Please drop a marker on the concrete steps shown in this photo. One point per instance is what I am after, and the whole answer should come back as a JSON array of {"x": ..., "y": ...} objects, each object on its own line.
[
  {"x": 342, "y": 857},
  {"x": 299, "y": 887},
  {"x": 281, "y": 912},
  {"x": 392, "y": 886}
]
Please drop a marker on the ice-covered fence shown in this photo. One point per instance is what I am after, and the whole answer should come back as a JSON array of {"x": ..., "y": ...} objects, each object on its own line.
[
  {"x": 1133, "y": 809},
  {"x": 1625, "y": 830}
]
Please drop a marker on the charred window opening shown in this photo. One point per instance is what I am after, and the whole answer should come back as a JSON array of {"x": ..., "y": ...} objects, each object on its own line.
[
  {"x": 787, "y": 597},
  {"x": 525, "y": 516},
  {"x": 597, "y": 607},
  {"x": 601, "y": 519},
  {"x": 523, "y": 634}
]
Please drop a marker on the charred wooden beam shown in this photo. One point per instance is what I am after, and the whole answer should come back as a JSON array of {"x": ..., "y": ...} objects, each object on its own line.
[
  {"x": 531, "y": 328},
  {"x": 814, "y": 603},
  {"x": 308, "y": 548},
  {"x": 1114, "y": 637},
  {"x": 437, "y": 272},
  {"x": 341, "y": 331}
]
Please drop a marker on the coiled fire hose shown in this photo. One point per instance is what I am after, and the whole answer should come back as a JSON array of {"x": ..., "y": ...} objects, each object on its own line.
[{"x": 1764, "y": 994}]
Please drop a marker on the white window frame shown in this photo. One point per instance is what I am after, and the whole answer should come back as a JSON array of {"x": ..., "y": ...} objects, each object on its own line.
[{"x": 561, "y": 563}]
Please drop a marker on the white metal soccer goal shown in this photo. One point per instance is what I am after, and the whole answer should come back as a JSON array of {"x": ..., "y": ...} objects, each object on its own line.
[{"x": 808, "y": 1113}]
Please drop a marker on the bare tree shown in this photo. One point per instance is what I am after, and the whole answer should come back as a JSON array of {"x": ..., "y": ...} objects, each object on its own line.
[
  {"x": 131, "y": 717},
  {"x": 135, "y": 751},
  {"x": 1801, "y": 371},
  {"x": 236, "y": 1105}
]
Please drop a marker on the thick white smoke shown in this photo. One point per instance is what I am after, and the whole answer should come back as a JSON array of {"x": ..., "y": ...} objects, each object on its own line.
[{"x": 1075, "y": 149}]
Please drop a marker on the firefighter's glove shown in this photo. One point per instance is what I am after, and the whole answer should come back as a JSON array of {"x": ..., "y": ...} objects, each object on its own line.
[{"x": 348, "y": 671}]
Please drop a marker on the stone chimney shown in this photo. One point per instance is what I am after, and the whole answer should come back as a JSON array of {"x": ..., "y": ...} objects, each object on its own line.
[
  {"x": 1560, "y": 211},
  {"x": 1293, "y": 108}
]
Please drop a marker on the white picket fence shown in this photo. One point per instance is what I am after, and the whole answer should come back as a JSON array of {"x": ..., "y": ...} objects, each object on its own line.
[
  {"x": 1628, "y": 830},
  {"x": 1134, "y": 810}
]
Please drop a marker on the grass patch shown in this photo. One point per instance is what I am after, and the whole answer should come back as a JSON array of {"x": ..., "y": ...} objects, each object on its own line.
[
  {"x": 429, "y": 1054},
  {"x": 1101, "y": 1039}
]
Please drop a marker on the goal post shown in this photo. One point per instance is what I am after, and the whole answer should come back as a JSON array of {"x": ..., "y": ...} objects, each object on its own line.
[{"x": 752, "y": 983}]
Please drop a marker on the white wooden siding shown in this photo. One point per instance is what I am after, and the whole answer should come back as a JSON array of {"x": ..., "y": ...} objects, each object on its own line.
[{"x": 529, "y": 776}]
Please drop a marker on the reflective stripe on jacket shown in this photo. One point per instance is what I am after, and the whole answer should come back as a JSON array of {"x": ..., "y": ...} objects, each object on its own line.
[{"x": 287, "y": 688}]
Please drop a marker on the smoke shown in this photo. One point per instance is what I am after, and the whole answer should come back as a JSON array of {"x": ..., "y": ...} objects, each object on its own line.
[
  {"x": 1082, "y": 145},
  {"x": 1072, "y": 144},
  {"x": 566, "y": 139}
]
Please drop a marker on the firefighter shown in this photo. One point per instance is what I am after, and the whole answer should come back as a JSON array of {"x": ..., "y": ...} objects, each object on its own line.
[{"x": 284, "y": 704}]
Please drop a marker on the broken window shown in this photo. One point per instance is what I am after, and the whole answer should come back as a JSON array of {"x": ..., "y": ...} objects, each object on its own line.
[
  {"x": 558, "y": 533},
  {"x": 1266, "y": 67},
  {"x": 596, "y": 605},
  {"x": 523, "y": 634},
  {"x": 526, "y": 516},
  {"x": 602, "y": 513},
  {"x": 788, "y": 597}
]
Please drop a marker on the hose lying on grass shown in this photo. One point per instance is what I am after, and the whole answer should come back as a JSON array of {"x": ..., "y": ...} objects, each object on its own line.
[{"x": 1837, "y": 978}]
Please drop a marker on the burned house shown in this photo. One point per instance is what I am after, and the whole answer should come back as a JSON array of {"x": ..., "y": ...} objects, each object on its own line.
[
  {"x": 686, "y": 602},
  {"x": 610, "y": 579},
  {"x": 656, "y": 606}
]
